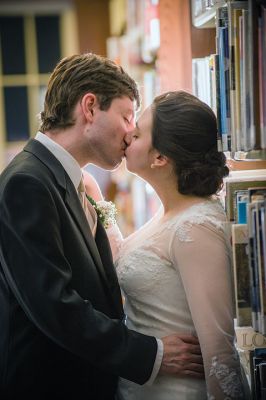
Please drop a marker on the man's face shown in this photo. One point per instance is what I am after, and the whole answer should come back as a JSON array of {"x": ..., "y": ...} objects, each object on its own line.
[{"x": 106, "y": 137}]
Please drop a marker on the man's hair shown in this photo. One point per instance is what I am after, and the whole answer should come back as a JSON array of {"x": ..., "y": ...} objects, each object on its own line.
[{"x": 77, "y": 75}]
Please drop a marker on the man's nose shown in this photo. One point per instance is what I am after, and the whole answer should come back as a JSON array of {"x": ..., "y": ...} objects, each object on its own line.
[
  {"x": 131, "y": 126},
  {"x": 128, "y": 138}
]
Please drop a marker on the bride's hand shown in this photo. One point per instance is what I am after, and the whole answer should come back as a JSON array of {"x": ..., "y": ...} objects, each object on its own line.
[
  {"x": 91, "y": 186},
  {"x": 182, "y": 356}
]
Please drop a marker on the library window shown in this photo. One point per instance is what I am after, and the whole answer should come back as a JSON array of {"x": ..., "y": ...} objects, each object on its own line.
[
  {"x": 48, "y": 42},
  {"x": 30, "y": 48},
  {"x": 16, "y": 113},
  {"x": 12, "y": 45}
]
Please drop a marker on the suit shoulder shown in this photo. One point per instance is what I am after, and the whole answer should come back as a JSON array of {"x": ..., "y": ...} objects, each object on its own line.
[{"x": 26, "y": 165}]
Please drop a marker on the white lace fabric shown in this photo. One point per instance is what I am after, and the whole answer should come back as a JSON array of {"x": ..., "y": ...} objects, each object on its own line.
[{"x": 176, "y": 277}]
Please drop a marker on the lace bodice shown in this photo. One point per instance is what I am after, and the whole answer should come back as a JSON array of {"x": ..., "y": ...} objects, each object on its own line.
[{"x": 176, "y": 277}]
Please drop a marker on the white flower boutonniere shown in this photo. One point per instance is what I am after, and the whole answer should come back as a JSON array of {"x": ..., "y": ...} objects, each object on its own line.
[{"x": 106, "y": 211}]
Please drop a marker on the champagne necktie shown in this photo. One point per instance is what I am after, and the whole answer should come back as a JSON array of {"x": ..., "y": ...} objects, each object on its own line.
[{"x": 87, "y": 207}]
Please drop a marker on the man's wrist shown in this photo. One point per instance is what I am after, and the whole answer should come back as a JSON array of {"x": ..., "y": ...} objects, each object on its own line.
[{"x": 157, "y": 362}]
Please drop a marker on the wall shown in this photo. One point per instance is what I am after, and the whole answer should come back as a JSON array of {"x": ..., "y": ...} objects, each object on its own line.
[
  {"x": 180, "y": 42},
  {"x": 93, "y": 25}
]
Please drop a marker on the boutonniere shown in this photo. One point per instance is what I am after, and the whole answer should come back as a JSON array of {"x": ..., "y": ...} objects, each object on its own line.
[{"x": 106, "y": 211}]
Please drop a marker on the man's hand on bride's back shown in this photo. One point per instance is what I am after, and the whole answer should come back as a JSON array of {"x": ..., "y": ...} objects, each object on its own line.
[{"x": 182, "y": 356}]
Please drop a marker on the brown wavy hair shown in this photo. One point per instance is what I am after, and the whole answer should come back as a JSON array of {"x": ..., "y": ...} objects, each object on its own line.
[{"x": 77, "y": 75}]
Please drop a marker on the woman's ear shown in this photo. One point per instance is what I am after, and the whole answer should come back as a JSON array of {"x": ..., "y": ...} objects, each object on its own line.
[
  {"x": 88, "y": 103},
  {"x": 159, "y": 161}
]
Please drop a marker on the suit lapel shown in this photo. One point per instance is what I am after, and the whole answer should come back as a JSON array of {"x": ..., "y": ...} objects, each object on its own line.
[
  {"x": 75, "y": 209},
  {"x": 99, "y": 247},
  {"x": 107, "y": 260},
  {"x": 71, "y": 200}
]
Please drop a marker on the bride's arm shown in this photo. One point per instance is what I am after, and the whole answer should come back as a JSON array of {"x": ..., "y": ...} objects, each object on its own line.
[
  {"x": 203, "y": 262},
  {"x": 113, "y": 232}
]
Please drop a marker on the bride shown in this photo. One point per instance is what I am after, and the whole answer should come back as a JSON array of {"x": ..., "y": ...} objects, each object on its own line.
[{"x": 175, "y": 271}]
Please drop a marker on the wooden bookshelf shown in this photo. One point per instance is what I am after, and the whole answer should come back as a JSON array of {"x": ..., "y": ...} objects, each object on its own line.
[{"x": 246, "y": 165}]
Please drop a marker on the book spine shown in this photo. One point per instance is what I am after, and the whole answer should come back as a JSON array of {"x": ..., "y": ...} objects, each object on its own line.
[{"x": 254, "y": 276}]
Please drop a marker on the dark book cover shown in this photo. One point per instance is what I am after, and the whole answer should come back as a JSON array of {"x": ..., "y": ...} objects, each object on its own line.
[{"x": 241, "y": 274}]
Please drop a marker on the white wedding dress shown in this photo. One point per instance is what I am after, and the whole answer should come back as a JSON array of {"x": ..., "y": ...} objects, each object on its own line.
[{"x": 176, "y": 277}]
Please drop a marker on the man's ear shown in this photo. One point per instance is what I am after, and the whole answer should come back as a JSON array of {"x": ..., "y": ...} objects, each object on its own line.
[
  {"x": 159, "y": 161},
  {"x": 88, "y": 104}
]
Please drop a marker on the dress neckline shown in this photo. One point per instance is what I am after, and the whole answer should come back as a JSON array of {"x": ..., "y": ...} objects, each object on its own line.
[{"x": 183, "y": 213}]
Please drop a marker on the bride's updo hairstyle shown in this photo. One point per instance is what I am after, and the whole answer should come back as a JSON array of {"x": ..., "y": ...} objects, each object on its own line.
[{"x": 185, "y": 130}]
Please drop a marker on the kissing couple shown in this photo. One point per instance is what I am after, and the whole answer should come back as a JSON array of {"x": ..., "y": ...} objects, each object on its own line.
[{"x": 63, "y": 327}]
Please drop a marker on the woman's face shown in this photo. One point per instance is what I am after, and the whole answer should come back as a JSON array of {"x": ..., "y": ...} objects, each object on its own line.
[{"x": 140, "y": 154}]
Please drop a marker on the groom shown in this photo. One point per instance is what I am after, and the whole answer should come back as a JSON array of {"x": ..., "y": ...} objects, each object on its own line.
[{"x": 61, "y": 318}]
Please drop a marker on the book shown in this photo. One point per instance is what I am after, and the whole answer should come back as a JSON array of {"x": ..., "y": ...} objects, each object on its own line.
[
  {"x": 235, "y": 9},
  {"x": 211, "y": 61},
  {"x": 262, "y": 380},
  {"x": 202, "y": 79},
  {"x": 236, "y": 101},
  {"x": 244, "y": 81},
  {"x": 254, "y": 268},
  {"x": 262, "y": 73},
  {"x": 259, "y": 358},
  {"x": 216, "y": 71},
  {"x": 223, "y": 52},
  {"x": 233, "y": 185},
  {"x": 257, "y": 196},
  {"x": 241, "y": 206},
  {"x": 241, "y": 274},
  {"x": 253, "y": 136},
  {"x": 261, "y": 233}
]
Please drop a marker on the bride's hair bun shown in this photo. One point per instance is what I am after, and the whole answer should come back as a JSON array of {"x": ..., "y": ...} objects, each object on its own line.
[
  {"x": 203, "y": 178},
  {"x": 185, "y": 130}
]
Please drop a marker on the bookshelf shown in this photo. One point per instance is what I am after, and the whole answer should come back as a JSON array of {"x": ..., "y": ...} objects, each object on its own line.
[
  {"x": 232, "y": 81},
  {"x": 245, "y": 204},
  {"x": 234, "y": 76}
]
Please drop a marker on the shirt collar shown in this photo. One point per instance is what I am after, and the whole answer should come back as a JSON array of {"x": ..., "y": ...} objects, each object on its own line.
[{"x": 68, "y": 162}]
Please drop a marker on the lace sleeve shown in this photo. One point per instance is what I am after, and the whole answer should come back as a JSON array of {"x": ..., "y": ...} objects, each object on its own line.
[
  {"x": 116, "y": 239},
  {"x": 202, "y": 258}
]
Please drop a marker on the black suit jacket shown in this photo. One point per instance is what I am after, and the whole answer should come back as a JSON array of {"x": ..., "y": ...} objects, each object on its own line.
[{"x": 61, "y": 329}]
